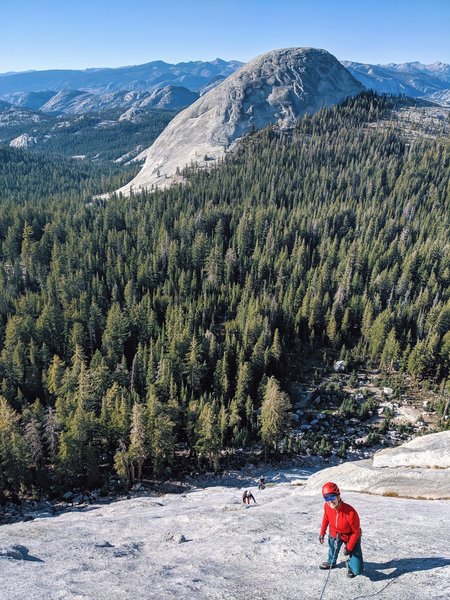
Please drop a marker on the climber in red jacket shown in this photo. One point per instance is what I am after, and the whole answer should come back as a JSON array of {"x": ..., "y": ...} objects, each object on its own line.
[{"x": 344, "y": 528}]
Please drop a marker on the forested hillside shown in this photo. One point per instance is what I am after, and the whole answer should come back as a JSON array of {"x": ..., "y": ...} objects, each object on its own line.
[
  {"x": 102, "y": 136},
  {"x": 35, "y": 180},
  {"x": 178, "y": 317}
]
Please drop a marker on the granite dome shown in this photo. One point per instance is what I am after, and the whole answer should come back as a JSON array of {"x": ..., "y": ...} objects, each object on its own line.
[{"x": 276, "y": 87}]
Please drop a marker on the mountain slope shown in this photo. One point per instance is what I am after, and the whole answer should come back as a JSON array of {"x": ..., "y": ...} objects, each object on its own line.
[
  {"x": 31, "y": 100},
  {"x": 410, "y": 79},
  {"x": 170, "y": 97},
  {"x": 73, "y": 102},
  {"x": 276, "y": 87},
  {"x": 193, "y": 75},
  {"x": 106, "y": 135}
]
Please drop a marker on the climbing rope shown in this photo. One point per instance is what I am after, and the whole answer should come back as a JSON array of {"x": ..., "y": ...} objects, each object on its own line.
[
  {"x": 375, "y": 593},
  {"x": 336, "y": 547}
]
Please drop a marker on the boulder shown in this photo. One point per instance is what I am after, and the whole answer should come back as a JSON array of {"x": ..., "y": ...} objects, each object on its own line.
[
  {"x": 340, "y": 366},
  {"x": 16, "y": 552}
]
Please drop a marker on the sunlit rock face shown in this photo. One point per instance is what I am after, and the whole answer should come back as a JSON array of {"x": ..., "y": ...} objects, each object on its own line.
[
  {"x": 274, "y": 88},
  {"x": 417, "y": 469}
]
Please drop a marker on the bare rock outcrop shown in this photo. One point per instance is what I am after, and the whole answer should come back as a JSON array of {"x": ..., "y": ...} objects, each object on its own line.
[
  {"x": 406, "y": 471},
  {"x": 23, "y": 141},
  {"x": 274, "y": 88},
  {"x": 171, "y": 97},
  {"x": 428, "y": 451}
]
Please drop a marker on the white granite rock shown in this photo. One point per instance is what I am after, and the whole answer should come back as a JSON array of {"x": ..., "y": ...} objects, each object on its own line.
[
  {"x": 426, "y": 451},
  {"x": 405, "y": 471},
  {"x": 276, "y": 87},
  {"x": 23, "y": 141}
]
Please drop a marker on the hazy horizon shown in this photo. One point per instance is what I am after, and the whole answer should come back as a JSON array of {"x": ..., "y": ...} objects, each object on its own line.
[{"x": 36, "y": 37}]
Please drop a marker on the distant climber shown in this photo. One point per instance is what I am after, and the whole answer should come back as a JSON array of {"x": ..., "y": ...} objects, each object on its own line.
[
  {"x": 247, "y": 497},
  {"x": 343, "y": 521},
  {"x": 261, "y": 483}
]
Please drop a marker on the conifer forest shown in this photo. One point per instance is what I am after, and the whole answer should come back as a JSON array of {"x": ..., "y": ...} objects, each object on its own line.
[{"x": 137, "y": 333}]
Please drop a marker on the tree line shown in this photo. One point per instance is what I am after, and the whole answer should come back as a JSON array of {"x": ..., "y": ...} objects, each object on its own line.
[{"x": 175, "y": 319}]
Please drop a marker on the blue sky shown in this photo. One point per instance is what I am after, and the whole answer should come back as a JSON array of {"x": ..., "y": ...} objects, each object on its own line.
[{"x": 99, "y": 33}]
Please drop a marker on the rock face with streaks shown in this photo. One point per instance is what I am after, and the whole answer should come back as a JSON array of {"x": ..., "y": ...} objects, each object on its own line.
[{"x": 274, "y": 88}]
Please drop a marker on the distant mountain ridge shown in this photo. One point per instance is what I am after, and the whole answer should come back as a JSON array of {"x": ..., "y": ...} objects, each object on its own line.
[
  {"x": 410, "y": 79},
  {"x": 111, "y": 135},
  {"x": 73, "y": 102},
  {"x": 439, "y": 69},
  {"x": 150, "y": 76},
  {"x": 97, "y": 88}
]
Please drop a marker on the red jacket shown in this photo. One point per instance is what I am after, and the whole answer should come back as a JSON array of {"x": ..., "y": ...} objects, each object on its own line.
[{"x": 343, "y": 520}]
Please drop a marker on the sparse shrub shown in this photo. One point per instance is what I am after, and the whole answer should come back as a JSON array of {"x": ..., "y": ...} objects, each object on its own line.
[
  {"x": 347, "y": 407},
  {"x": 353, "y": 379},
  {"x": 324, "y": 447},
  {"x": 403, "y": 428},
  {"x": 441, "y": 406},
  {"x": 372, "y": 439},
  {"x": 384, "y": 427},
  {"x": 342, "y": 452},
  {"x": 366, "y": 408}
]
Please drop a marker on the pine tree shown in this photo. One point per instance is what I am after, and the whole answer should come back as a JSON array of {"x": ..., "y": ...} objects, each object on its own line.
[
  {"x": 115, "y": 333},
  {"x": 418, "y": 360},
  {"x": 160, "y": 432},
  {"x": 194, "y": 367},
  {"x": 391, "y": 350},
  {"x": 114, "y": 418},
  {"x": 33, "y": 438},
  {"x": 54, "y": 376},
  {"x": 137, "y": 451},
  {"x": 13, "y": 451},
  {"x": 275, "y": 414},
  {"x": 378, "y": 333},
  {"x": 122, "y": 464},
  {"x": 208, "y": 434},
  {"x": 276, "y": 350},
  {"x": 51, "y": 434}
]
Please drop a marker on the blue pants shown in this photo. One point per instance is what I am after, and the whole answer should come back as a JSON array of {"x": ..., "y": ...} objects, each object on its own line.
[{"x": 355, "y": 564}]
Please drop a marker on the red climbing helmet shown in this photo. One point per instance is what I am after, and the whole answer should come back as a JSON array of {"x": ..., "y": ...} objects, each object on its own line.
[{"x": 330, "y": 488}]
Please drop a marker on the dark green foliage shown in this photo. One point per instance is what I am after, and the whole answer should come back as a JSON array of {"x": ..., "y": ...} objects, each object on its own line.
[
  {"x": 95, "y": 136},
  {"x": 384, "y": 427},
  {"x": 353, "y": 379},
  {"x": 342, "y": 452},
  {"x": 324, "y": 447},
  {"x": 348, "y": 407},
  {"x": 372, "y": 439},
  {"x": 27, "y": 178},
  {"x": 190, "y": 302},
  {"x": 366, "y": 409}
]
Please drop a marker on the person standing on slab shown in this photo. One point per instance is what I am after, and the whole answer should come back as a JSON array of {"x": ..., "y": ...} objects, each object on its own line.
[{"x": 343, "y": 524}]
